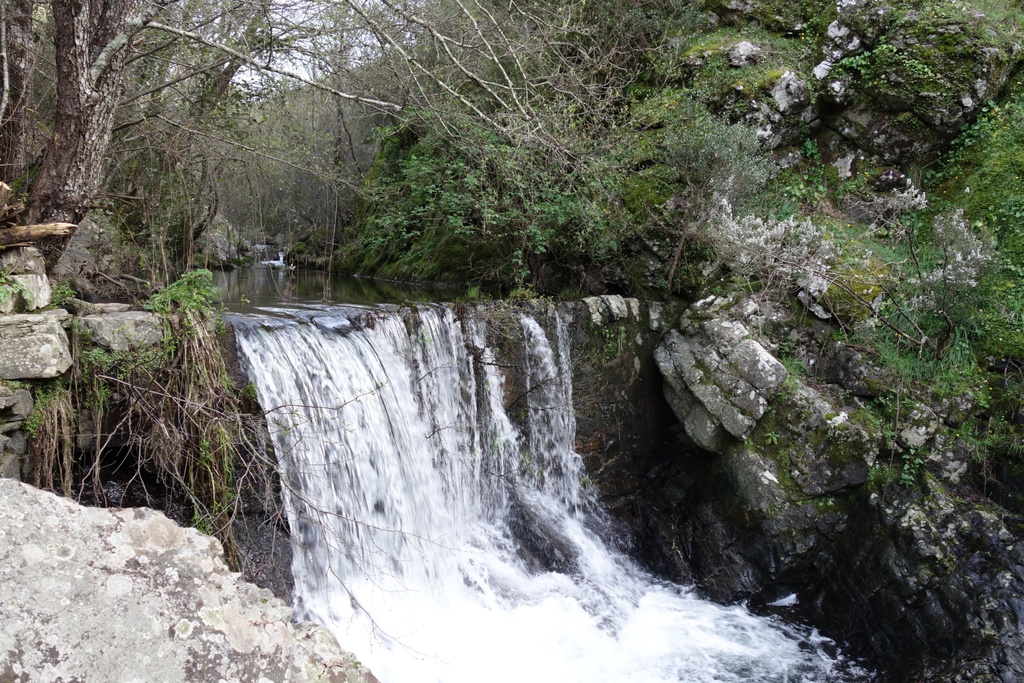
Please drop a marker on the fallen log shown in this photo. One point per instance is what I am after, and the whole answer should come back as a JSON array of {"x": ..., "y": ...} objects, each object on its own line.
[{"x": 11, "y": 235}]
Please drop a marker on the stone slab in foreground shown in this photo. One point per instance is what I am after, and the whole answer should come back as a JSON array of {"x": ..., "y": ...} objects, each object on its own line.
[{"x": 93, "y": 594}]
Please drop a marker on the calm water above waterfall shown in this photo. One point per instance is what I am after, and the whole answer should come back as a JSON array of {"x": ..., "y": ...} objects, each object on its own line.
[
  {"x": 245, "y": 288},
  {"x": 440, "y": 543}
]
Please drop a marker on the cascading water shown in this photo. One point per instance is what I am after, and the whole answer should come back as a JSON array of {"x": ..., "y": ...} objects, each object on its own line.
[{"x": 440, "y": 544}]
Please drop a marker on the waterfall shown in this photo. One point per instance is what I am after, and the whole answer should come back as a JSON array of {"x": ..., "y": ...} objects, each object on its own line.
[{"x": 439, "y": 542}]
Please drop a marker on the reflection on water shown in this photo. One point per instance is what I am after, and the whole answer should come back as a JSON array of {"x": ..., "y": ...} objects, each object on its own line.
[{"x": 244, "y": 288}]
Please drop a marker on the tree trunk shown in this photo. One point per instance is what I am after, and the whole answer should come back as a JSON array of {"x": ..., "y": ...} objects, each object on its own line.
[
  {"x": 17, "y": 64},
  {"x": 91, "y": 41}
]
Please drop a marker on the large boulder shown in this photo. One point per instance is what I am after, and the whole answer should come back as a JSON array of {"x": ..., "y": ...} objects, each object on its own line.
[
  {"x": 122, "y": 595},
  {"x": 34, "y": 345},
  {"x": 718, "y": 378},
  {"x": 831, "y": 508}
]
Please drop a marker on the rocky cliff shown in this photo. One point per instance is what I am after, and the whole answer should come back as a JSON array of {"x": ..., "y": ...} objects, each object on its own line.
[{"x": 802, "y": 489}]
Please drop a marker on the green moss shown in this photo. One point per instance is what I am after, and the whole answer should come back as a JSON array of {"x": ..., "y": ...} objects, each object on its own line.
[
  {"x": 701, "y": 65},
  {"x": 854, "y": 288},
  {"x": 648, "y": 190},
  {"x": 774, "y": 15},
  {"x": 928, "y": 58}
]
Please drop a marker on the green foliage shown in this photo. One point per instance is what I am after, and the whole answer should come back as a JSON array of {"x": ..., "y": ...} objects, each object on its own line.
[
  {"x": 124, "y": 364},
  {"x": 489, "y": 210},
  {"x": 614, "y": 342},
  {"x": 61, "y": 293},
  {"x": 931, "y": 48},
  {"x": 523, "y": 293},
  {"x": 782, "y": 16},
  {"x": 176, "y": 404},
  {"x": 51, "y": 428},
  {"x": 700, "y": 62},
  {"x": 982, "y": 173},
  {"x": 10, "y": 289},
  {"x": 911, "y": 466},
  {"x": 193, "y": 292},
  {"x": 854, "y": 287},
  {"x": 473, "y": 293}
]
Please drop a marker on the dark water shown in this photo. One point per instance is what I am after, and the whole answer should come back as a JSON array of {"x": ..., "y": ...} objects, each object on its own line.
[{"x": 243, "y": 289}]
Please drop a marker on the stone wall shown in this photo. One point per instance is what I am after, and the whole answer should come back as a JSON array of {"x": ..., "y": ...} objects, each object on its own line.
[{"x": 34, "y": 343}]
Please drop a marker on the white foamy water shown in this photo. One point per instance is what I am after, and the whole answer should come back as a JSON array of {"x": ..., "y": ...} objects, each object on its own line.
[{"x": 439, "y": 544}]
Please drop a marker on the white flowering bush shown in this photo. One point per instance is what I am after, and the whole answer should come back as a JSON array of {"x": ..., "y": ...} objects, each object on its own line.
[
  {"x": 938, "y": 283},
  {"x": 882, "y": 212},
  {"x": 961, "y": 255},
  {"x": 773, "y": 251},
  {"x": 927, "y": 286}
]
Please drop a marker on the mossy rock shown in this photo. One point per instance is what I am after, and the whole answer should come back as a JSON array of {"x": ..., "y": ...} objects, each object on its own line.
[
  {"x": 819, "y": 449},
  {"x": 855, "y": 290},
  {"x": 774, "y": 15},
  {"x": 919, "y": 72}
]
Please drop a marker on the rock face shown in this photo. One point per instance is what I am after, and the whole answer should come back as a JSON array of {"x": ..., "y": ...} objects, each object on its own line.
[
  {"x": 120, "y": 595},
  {"x": 718, "y": 379},
  {"x": 91, "y": 248},
  {"x": 34, "y": 346},
  {"x": 15, "y": 406},
  {"x": 896, "y": 82},
  {"x": 923, "y": 576},
  {"x": 928, "y": 586},
  {"x": 621, "y": 416},
  {"x": 907, "y": 81}
]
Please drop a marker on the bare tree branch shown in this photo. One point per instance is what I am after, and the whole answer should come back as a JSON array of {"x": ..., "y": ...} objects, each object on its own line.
[{"x": 246, "y": 59}]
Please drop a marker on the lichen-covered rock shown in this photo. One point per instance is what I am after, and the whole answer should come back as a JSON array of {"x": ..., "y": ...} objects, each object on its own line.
[
  {"x": 790, "y": 93},
  {"x": 15, "y": 404},
  {"x": 744, "y": 53},
  {"x": 92, "y": 247},
  {"x": 718, "y": 380},
  {"x": 121, "y": 331},
  {"x": 961, "y": 572},
  {"x": 26, "y": 287},
  {"x": 917, "y": 425},
  {"x": 22, "y": 261},
  {"x": 775, "y": 15},
  {"x": 849, "y": 294},
  {"x": 10, "y": 464},
  {"x": 948, "y": 459},
  {"x": 120, "y": 595},
  {"x": 28, "y": 292},
  {"x": 33, "y": 345},
  {"x": 610, "y": 308},
  {"x": 83, "y": 308},
  {"x": 826, "y": 451}
]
